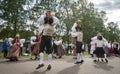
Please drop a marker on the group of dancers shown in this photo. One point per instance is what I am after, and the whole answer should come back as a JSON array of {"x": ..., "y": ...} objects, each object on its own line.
[{"x": 47, "y": 23}]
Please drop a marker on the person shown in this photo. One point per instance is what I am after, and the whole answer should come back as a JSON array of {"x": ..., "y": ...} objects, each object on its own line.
[
  {"x": 115, "y": 48},
  {"x": 66, "y": 48},
  {"x": 79, "y": 43},
  {"x": 54, "y": 48},
  {"x": 36, "y": 47},
  {"x": 99, "y": 51},
  {"x": 14, "y": 49},
  {"x": 31, "y": 46},
  {"x": 48, "y": 21},
  {"x": 60, "y": 47},
  {"x": 93, "y": 46},
  {"x": 110, "y": 48},
  {"x": 106, "y": 47},
  {"x": 22, "y": 41},
  {"x": 5, "y": 47},
  {"x": 73, "y": 34}
]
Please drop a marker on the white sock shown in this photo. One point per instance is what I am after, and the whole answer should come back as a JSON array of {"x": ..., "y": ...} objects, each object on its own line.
[
  {"x": 105, "y": 56},
  {"x": 78, "y": 57},
  {"x": 81, "y": 56},
  {"x": 49, "y": 58},
  {"x": 94, "y": 56},
  {"x": 98, "y": 58},
  {"x": 41, "y": 58}
]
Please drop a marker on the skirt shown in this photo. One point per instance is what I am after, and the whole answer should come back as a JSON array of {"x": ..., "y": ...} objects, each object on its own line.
[
  {"x": 13, "y": 52},
  {"x": 36, "y": 49},
  {"x": 99, "y": 51},
  {"x": 60, "y": 51}
]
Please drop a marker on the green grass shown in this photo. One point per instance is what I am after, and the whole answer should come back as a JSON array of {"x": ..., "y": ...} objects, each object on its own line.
[
  {"x": 1, "y": 55},
  {"x": 85, "y": 53}
]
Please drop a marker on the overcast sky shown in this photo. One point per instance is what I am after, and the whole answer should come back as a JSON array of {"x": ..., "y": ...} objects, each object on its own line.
[{"x": 112, "y": 8}]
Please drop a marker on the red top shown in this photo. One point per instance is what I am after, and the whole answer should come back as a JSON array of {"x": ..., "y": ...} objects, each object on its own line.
[
  {"x": 38, "y": 38},
  {"x": 17, "y": 41}
]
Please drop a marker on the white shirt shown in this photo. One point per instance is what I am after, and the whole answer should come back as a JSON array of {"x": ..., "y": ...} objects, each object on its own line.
[
  {"x": 100, "y": 43},
  {"x": 79, "y": 36},
  {"x": 58, "y": 42},
  {"x": 41, "y": 22}
]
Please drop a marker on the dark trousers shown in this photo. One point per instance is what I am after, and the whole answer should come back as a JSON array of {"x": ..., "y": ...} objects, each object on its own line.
[
  {"x": 5, "y": 53},
  {"x": 46, "y": 41}
]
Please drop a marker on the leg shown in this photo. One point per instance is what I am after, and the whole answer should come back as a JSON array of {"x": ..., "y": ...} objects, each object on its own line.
[
  {"x": 49, "y": 51},
  {"x": 42, "y": 46}
]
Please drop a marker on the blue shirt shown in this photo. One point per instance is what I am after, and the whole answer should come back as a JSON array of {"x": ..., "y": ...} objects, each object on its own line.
[{"x": 5, "y": 46}]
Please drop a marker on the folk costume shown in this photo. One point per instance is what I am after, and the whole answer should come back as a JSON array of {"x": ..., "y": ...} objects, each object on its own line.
[
  {"x": 79, "y": 44},
  {"x": 36, "y": 47},
  {"x": 14, "y": 49},
  {"x": 48, "y": 21},
  {"x": 60, "y": 48},
  {"x": 74, "y": 36},
  {"x": 99, "y": 51}
]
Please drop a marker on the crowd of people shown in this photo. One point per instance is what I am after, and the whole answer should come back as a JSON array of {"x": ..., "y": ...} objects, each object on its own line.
[{"x": 99, "y": 48}]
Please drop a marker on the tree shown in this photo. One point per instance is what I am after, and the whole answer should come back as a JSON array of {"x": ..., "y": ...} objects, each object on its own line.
[
  {"x": 112, "y": 31},
  {"x": 11, "y": 13}
]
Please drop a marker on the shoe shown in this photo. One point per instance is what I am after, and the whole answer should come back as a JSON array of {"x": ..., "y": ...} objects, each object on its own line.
[
  {"x": 35, "y": 58},
  {"x": 106, "y": 60},
  {"x": 60, "y": 57},
  {"x": 95, "y": 60},
  {"x": 49, "y": 67},
  {"x": 81, "y": 61},
  {"x": 74, "y": 57},
  {"x": 39, "y": 66},
  {"x": 102, "y": 60},
  {"x": 31, "y": 59},
  {"x": 77, "y": 62}
]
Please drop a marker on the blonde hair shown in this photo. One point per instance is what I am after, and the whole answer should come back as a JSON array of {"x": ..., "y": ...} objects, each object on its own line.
[
  {"x": 78, "y": 21},
  {"x": 49, "y": 11}
]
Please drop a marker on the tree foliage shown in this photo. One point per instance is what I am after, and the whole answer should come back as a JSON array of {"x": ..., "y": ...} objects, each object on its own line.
[{"x": 21, "y": 16}]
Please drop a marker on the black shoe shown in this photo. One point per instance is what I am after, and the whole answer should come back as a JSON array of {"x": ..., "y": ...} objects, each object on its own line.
[
  {"x": 39, "y": 66},
  {"x": 31, "y": 59},
  {"x": 81, "y": 61},
  {"x": 102, "y": 60},
  {"x": 35, "y": 58},
  {"x": 106, "y": 60},
  {"x": 77, "y": 62},
  {"x": 60, "y": 57},
  {"x": 49, "y": 67},
  {"x": 74, "y": 57},
  {"x": 95, "y": 60}
]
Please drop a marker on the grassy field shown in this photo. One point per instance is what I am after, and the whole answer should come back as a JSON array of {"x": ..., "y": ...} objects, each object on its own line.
[{"x": 1, "y": 55}]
